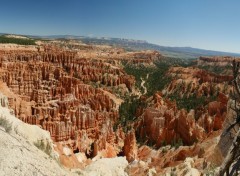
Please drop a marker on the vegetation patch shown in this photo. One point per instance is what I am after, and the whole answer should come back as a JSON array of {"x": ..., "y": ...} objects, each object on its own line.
[
  {"x": 20, "y": 41},
  {"x": 127, "y": 112},
  {"x": 224, "y": 70},
  {"x": 44, "y": 146},
  {"x": 158, "y": 79},
  {"x": 157, "y": 76},
  {"x": 192, "y": 101},
  {"x": 5, "y": 124}
]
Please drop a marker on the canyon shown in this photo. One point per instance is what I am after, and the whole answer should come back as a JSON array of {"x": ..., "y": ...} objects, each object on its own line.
[{"x": 74, "y": 94}]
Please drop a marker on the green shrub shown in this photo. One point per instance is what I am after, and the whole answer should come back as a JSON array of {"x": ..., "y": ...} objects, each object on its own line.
[
  {"x": 192, "y": 101},
  {"x": 176, "y": 143},
  {"x": 5, "y": 124},
  {"x": 44, "y": 146},
  {"x": 157, "y": 78},
  {"x": 210, "y": 170},
  {"x": 127, "y": 111},
  {"x": 217, "y": 69}
]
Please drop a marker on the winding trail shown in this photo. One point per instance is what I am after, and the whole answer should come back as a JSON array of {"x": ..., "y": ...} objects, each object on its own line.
[{"x": 143, "y": 86}]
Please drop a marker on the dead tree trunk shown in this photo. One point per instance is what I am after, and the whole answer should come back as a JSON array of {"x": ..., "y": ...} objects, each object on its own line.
[
  {"x": 234, "y": 151},
  {"x": 232, "y": 156}
]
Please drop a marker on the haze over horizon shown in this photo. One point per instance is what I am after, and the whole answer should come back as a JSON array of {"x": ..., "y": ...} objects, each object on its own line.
[{"x": 211, "y": 25}]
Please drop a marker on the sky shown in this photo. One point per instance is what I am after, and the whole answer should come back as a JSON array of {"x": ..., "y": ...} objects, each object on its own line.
[{"x": 206, "y": 24}]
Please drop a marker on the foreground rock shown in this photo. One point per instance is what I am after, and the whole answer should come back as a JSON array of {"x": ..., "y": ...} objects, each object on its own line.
[
  {"x": 22, "y": 152},
  {"x": 19, "y": 154},
  {"x": 107, "y": 167}
]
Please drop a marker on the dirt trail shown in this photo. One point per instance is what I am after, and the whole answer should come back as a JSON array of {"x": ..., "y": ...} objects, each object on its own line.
[{"x": 143, "y": 86}]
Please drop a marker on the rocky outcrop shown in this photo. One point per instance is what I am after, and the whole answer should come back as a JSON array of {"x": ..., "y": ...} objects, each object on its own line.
[
  {"x": 185, "y": 168},
  {"x": 197, "y": 82},
  {"x": 216, "y": 60},
  {"x": 225, "y": 140},
  {"x": 60, "y": 91},
  {"x": 195, "y": 159},
  {"x": 55, "y": 65},
  {"x": 3, "y": 101},
  {"x": 53, "y": 82},
  {"x": 69, "y": 93},
  {"x": 21, "y": 153},
  {"x": 142, "y": 57},
  {"x": 162, "y": 123},
  {"x": 107, "y": 167},
  {"x": 130, "y": 146}
]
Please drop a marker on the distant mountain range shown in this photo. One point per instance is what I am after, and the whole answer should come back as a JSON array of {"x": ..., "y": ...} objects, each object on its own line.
[
  {"x": 179, "y": 52},
  {"x": 129, "y": 44}
]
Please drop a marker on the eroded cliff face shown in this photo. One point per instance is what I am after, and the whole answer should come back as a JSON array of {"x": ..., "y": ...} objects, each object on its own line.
[
  {"x": 198, "y": 82},
  {"x": 69, "y": 93},
  {"x": 163, "y": 123},
  {"x": 19, "y": 152},
  {"x": 216, "y": 60},
  {"x": 165, "y": 126},
  {"x": 192, "y": 160},
  {"x": 49, "y": 91}
]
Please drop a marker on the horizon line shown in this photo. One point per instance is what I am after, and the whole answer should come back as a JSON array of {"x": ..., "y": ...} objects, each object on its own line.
[{"x": 146, "y": 41}]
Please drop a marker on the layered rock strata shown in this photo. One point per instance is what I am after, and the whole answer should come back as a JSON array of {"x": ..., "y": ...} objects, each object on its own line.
[
  {"x": 163, "y": 123},
  {"x": 53, "y": 83}
]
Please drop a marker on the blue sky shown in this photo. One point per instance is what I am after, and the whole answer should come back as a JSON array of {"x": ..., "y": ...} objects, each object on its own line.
[{"x": 207, "y": 24}]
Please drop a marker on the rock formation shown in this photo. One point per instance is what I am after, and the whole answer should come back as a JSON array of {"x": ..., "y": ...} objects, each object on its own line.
[
  {"x": 70, "y": 94},
  {"x": 219, "y": 60},
  {"x": 61, "y": 103},
  {"x": 194, "y": 81},
  {"x": 162, "y": 123},
  {"x": 130, "y": 146}
]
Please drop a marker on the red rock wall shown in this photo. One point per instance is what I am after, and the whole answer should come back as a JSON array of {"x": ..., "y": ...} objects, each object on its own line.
[
  {"x": 61, "y": 103},
  {"x": 163, "y": 123}
]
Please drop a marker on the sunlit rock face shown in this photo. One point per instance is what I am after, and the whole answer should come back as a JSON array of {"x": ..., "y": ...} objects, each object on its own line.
[
  {"x": 163, "y": 123},
  {"x": 52, "y": 82},
  {"x": 68, "y": 94},
  {"x": 54, "y": 89},
  {"x": 57, "y": 89},
  {"x": 216, "y": 60}
]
